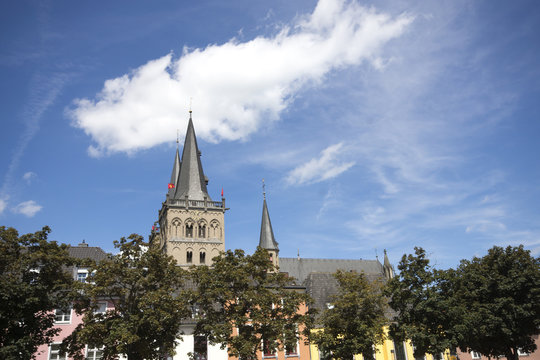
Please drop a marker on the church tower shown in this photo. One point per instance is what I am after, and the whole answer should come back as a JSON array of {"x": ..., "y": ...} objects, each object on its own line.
[
  {"x": 267, "y": 240},
  {"x": 191, "y": 225}
]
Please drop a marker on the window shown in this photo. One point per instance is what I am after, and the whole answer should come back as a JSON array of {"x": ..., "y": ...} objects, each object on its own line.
[
  {"x": 202, "y": 257},
  {"x": 62, "y": 316},
  {"x": 269, "y": 349},
  {"x": 54, "y": 353},
  {"x": 94, "y": 353},
  {"x": 522, "y": 353},
  {"x": 291, "y": 350},
  {"x": 202, "y": 231},
  {"x": 200, "y": 348},
  {"x": 475, "y": 355},
  {"x": 189, "y": 257},
  {"x": 101, "y": 308},
  {"x": 189, "y": 230},
  {"x": 82, "y": 275}
]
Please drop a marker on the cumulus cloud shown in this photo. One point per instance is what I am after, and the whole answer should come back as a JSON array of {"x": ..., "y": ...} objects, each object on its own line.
[
  {"x": 325, "y": 167},
  {"x": 236, "y": 85},
  {"x": 28, "y": 208}
]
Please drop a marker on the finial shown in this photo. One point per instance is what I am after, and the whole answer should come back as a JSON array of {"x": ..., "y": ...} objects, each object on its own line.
[
  {"x": 177, "y": 136},
  {"x": 298, "y": 253},
  {"x": 264, "y": 189},
  {"x": 190, "y": 103},
  {"x": 376, "y": 255}
]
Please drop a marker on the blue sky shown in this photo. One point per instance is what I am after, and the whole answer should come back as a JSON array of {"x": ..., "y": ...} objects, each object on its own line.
[{"x": 376, "y": 125}]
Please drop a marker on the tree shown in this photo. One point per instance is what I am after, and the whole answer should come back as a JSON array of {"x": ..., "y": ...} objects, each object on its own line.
[
  {"x": 33, "y": 282},
  {"x": 354, "y": 320},
  {"x": 247, "y": 293},
  {"x": 424, "y": 306},
  {"x": 500, "y": 297},
  {"x": 145, "y": 287}
]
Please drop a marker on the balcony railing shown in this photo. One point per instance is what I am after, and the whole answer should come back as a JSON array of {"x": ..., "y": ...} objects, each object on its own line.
[{"x": 199, "y": 204}]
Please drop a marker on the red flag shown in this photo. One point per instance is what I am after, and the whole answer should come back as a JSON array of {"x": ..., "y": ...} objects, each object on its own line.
[
  {"x": 171, "y": 186},
  {"x": 222, "y": 192},
  {"x": 153, "y": 228}
]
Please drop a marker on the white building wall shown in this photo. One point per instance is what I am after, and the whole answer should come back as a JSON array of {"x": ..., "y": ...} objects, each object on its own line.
[{"x": 185, "y": 346}]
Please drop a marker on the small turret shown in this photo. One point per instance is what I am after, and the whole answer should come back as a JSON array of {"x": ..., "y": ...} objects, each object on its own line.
[
  {"x": 267, "y": 240},
  {"x": 387, "y": 267}
]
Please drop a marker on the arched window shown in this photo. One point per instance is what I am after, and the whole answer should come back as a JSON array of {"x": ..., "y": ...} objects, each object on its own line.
[
  {"x": 175, "y": 229},
  {"x": 202, "y": 230},
  {"x": 189, "y": 257},
  {"x": 202, "y": 257},
  {"x": 189, "y": 230},
  {"x": 215, "y": 230}
]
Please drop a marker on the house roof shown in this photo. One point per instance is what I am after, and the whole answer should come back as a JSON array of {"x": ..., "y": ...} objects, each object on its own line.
[
  {"x": 87, "y": 252},
  {"x": 301, "y": 268}
]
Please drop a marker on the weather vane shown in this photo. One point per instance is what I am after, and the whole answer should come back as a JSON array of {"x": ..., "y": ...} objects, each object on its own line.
[{"x": 264, "y": 189}]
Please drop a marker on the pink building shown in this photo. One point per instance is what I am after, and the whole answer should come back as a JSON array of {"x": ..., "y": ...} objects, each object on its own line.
[
  {"x": 522, "y": 355},
  {"x": 66, "y": 319}
]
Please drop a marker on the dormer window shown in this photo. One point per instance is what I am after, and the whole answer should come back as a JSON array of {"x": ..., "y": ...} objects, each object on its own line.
[{"x": 82, "y": 275}]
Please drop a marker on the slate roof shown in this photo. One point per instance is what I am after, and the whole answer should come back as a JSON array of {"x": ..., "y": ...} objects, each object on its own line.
[
  {"x": 267, "y": 240},
  {"x": 191, "y": 179},
  {"x": 174, "y": 175},
  {"x": 87, "y": 252},
  {"x": 302, "y": 268}
]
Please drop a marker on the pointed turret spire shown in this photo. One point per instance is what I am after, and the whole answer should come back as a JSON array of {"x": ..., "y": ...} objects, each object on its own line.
[
  {"x": 191, "y": 180},
  {"x": 387, "y": 267},
  {"x": 267, "y": 240},
  {"x": 174, "y": 175}
]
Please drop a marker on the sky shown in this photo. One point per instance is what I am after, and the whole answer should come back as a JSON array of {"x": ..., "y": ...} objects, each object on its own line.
[{"x": 374, "y": 124}]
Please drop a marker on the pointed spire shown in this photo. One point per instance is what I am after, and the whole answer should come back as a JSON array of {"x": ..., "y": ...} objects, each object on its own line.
[
  {"x": 386, "y": 261},
  {"x": 191, "y": 179},
  {"x": 387, "y": 267},
  {"x": 267, "y": 240},
  {"x": 174, "y": 174}
]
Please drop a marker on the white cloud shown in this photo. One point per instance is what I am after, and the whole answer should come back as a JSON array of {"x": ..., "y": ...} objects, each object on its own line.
[
  {"x": 28, "y": 208},
  {"x": 325, "y": 167},
  {"x": 236, "y": 85},
  {"x": 29, "y": 176}
]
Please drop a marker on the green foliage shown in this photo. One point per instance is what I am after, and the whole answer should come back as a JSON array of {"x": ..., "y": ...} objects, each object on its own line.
[
  {"x": 500, "y": 299},
  {"x": 490, "y": 305},
  {"x": 421, "y": 297},
  {"x": 145, "y": 287},
  {"x": 33, "y": 282},
  {"x": 355, "y": 320},
  {"x": 247, "y": 293}
]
